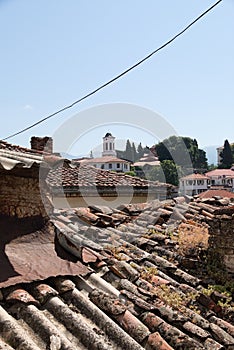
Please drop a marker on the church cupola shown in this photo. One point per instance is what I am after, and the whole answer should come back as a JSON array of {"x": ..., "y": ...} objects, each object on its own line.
[{"x": 109, "y": 145}]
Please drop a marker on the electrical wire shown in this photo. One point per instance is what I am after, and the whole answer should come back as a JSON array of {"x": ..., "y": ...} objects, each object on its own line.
[{"x": 117, "y": 76}]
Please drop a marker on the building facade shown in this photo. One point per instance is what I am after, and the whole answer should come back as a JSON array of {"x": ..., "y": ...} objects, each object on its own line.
[
  {"x": 193, "y": 184},
  {"x": 108, "y": 160}
]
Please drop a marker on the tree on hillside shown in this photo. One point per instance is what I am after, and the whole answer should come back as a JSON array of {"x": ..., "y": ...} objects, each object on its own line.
[
  {"x": 140, "y": 151},
  {"x": 128, "y": 151},
  {"x": 168, "y": 172},
  {"x": 182, "y": 150},
  {"x": 134, "y": 152},
  {"x": 226, "y": 156}
]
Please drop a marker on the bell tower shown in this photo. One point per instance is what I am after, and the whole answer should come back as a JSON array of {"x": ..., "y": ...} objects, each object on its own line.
[{"x": 109, "y": 145}]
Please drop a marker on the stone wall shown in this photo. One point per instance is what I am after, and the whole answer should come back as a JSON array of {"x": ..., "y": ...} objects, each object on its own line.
[
  {"x": 221, "y": 241},
  {"x": 21, "y": 197}
]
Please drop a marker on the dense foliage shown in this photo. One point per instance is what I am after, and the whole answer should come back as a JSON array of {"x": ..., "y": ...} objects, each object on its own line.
[
  {"x": 226, "y": 156},
  {"x": 183, "y": 151}
]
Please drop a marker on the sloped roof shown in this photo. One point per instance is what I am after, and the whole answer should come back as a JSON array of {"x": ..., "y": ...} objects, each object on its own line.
[
  {"x": 216, "y": 193},
  {"x": 10, "y": 147},
  {"x": 147, "y": 159},
  {"x": 10, "y": 159},
  {"x": 137, "y": 294},
  {"x": 12, "y": 156},
  {"x": 220, "y": 172},
  {"x": 88, "y": 176},
  {"x": 105, "y": 159},
  {"x": 195, "y": 177}
]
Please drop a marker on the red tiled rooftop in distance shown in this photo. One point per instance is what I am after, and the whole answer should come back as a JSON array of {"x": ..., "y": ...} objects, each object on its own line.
[
  {"x": 220, "y": 172},
  {"x": 106, "y": 159},
  {"x": 216, "y": 193},
  {"x": 87, "y": 175},
  {"x": 195, "y": 177}
]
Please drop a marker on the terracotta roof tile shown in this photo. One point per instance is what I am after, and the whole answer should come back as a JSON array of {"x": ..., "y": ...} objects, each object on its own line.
[
  {"x": 216, "y": 193},
  {"x": 195, "y": 176},
  {"x": 138, "y": 297},
  {"x": 85, "y": 176}
]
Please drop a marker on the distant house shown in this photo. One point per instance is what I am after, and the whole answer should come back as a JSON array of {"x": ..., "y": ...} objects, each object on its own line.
[
  {"x": 223, "y": 178},
  {"x": 145, "y": 164},
  {"x": 218, "y": 179},
  {"x": 193, "y": 184},
  {"x": 109, "y": 160}
]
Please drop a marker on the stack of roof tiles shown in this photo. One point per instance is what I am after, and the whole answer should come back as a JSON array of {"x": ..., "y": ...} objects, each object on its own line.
[{"x": 134, "y": 294}]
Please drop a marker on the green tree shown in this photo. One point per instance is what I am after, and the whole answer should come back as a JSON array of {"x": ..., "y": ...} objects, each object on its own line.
[
  {"x": 134, "y": 152},
  {"x": 226, "y": 156},
  {"x": 183, "y": 151},
  {"x": 140, "y": 151},
  {"x": 128, "y": 151},
  {"x": 168, "y": 172}
]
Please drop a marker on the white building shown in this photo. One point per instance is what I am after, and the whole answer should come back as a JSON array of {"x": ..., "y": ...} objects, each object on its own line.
[
  {"x": 108, "y": 161},
  {"x": 222, "y": 178},
  {"x": 108, "y": 145},
  {"x": 193, "y": 184},
  {"x": 216, "y": 179}
]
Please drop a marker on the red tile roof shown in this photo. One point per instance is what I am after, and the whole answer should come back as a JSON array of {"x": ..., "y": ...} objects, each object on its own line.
[
  {"x": 194, "y": 177},
  {"x": 136, "y": 295},
  {"x": 89, "y": 176},
  {"x": 220, "y": 172},
  {"x": 123, "y": 302},
  {"x": 216, "y": 193},
  {"x": 10, "y": 147},
  {"x": 106, "y": 159}
]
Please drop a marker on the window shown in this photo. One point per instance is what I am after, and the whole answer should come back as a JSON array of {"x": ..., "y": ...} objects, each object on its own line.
[
  {"x": 118, "y": 165},
  {"x": 110, "y": 146},
  {"x": 102, "y": 166},
  {"x": 110, "y": 166},
  {"x": 200, "y": 182},
  {"x": 125, "y": 166},
  {"x": 106, "y": 146}
]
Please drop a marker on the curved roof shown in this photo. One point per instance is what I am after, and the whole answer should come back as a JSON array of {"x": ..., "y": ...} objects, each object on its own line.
[{"x": 108, "y": 134}]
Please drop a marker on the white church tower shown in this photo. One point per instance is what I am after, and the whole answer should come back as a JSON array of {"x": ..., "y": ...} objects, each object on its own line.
[{"x": 109, "y": 145}]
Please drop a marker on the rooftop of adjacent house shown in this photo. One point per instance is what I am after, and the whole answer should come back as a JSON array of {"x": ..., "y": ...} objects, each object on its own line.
[
  {"x": 132, "y": 288},
  {"x": 89, "y": 176},
  {"x": 12, "y": 156},
  {"x": 216, "y": 193},
  {"x": 10, "y": 147},
  {"x": 221, "y": 172}
]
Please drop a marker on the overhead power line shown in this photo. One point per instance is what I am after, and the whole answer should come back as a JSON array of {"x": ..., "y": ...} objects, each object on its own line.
[{"x": 117, "y": 76}]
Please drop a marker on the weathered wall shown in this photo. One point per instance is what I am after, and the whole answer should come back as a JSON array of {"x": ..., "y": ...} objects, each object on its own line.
[
  {"x": 20, "y": 196},
  {"x": 111, "y": 201},
  {"x": 221, "y": 241}
]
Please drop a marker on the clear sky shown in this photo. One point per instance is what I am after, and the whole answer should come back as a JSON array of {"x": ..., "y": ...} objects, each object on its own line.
[{"x": 53, "y": 52}]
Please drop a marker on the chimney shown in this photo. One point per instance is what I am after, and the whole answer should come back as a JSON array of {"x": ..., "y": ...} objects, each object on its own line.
[{"x": 43, "y": 144}]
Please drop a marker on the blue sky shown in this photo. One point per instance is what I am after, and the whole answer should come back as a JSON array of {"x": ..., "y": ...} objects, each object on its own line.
[{"x": 53, "y": 52}]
